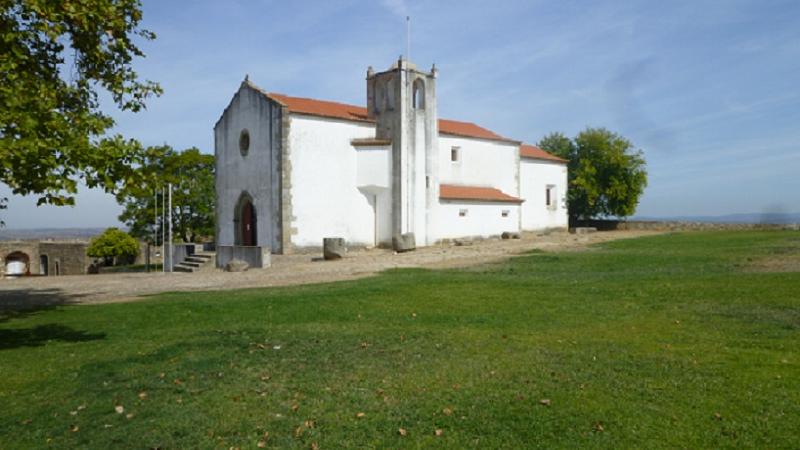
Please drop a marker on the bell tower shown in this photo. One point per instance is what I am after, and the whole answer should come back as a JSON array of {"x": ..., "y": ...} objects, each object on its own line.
[{"x": 402, "y": 101}]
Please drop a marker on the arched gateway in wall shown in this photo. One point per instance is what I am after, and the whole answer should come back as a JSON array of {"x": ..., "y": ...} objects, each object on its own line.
[{"x": 17, "y": 263}]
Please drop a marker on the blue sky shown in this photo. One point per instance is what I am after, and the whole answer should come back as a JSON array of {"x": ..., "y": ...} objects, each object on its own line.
[{"x": 709, "y": 90}]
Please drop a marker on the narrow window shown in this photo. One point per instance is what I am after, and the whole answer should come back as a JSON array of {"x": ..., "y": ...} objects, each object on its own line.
[
  {"x": 455, "y": 154},
  {"x": 462, "y": 213},
  {"x": 550, "y": 196},
  {"x": 504, "y": 213}
]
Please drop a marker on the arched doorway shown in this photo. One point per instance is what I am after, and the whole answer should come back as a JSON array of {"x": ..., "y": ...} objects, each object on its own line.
[
  {"x": 43, "y": 265},
  {"x": 17, "y": 263},
  {"x": 246, "y": 233}
]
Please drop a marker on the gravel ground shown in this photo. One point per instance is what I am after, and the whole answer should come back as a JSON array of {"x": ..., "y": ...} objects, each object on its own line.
[{"x": 286, "y": 270}]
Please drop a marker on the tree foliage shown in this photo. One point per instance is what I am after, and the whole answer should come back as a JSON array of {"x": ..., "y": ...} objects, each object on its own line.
[
  {"x": 113, "y": 243},
  {"x": 55, "y": 57},
  {"x": 606, "y": 173},
  {"x": 192, "y": 176}
]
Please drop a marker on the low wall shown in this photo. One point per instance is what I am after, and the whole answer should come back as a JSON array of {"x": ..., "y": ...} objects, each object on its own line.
[
  {"x": 181, "y": 251},
  {"x": 610, "y": 225},
  {"x": 255, "y": 257}
]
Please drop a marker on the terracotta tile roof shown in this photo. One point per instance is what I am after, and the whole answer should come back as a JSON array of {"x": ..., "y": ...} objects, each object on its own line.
[
  {"x": 531, "y": 151},
  {"x": 468, "y": 129},
  {"x": 334, "y": 110},
  {"x": 322, "y": 108},
  {"x": 475, "y": 193}
]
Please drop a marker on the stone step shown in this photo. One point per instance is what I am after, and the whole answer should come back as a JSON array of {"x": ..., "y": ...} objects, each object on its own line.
[
  {"x": 180, "y": 267},
  {"x": 197, "y": 259}
]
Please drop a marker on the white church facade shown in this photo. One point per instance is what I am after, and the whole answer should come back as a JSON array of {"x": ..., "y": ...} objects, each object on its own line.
[{"x": 291, "y": 171}]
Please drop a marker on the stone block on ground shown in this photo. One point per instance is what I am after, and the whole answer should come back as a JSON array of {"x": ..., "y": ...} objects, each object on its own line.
[
  {"x": 510, "y": 235},
  {"x": 404, "y": 242},
  {"x": 333, "y": 248},
  {"x": 582, "y": 230},
  {"x": 236, "y": 265}
]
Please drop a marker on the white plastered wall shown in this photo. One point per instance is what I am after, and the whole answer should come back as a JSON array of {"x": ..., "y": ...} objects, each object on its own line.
[
  {"x": 326, "y": 199},
  {"x": 482, "y": 163},
  {"x": 535, "y": 176},
  {"x": 482, "y": 219}
]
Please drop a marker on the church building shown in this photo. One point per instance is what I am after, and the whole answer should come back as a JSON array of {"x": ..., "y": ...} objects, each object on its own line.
[{"x": 291, "y": 171}]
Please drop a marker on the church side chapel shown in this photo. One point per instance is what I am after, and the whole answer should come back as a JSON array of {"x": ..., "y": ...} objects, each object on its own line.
[{"x": 291, "y": 171}]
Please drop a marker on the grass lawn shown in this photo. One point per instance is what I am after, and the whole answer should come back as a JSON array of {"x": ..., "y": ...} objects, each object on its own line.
[{"x": 680, "y": 340}]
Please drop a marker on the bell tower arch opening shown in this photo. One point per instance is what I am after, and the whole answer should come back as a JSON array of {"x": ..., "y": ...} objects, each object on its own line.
[{"x": 419, "y": 94}]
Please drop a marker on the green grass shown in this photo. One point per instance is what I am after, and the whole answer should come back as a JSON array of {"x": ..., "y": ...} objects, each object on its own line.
[{"x": 667, "y": 341}]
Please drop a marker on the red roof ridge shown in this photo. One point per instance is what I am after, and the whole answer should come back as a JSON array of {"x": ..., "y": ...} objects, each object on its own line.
[
  {"x": 338, "y": 110},
  {"x": 534, "y": 152},
  {"x": 475, "y": 193}
]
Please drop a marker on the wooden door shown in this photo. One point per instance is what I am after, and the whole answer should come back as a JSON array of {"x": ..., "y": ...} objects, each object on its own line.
[{"x": 248, "y": 225}]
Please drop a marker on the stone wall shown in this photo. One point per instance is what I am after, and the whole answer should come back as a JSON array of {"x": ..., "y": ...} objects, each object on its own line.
[
  {"x": 61, "y": 257},
  {"x": 610, "y": 225}
]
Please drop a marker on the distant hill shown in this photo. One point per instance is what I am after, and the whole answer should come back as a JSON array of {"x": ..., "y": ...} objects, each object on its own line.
[
  {"x": 10, "y": 234},
  {"x": 767, "y": 218}
]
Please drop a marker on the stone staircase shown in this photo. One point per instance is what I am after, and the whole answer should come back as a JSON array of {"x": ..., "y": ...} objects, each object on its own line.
[{"x": 196, "y": 262}]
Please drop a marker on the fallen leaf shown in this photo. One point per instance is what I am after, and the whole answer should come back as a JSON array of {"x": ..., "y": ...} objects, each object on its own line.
[
  {"x": 314, "y": 446},
  {"x": 309, "y": 424},
  {"x": 360, "y": 415},
  {"x": 119, "y": 409},
  {"x": 438, "y": 432},
  {"x": 414, "y": 315},
  {"x": 295, "y": 407},
  {"x": 129, "y": 416},
  {"x": 298, "y": 431},
  {"x": 162, "y": 375},
  {"x": 73, "y": 413},
  {"x": 142, "y": 395},
  {"x": 545, "y": 402},
  {"x": 718, "y": 416},
  {"x": 81, "y": 407},
  {"x": 261, "y": 444},
  {"x": 447, "y": 412},
  {"x": 598, "y": 427},
  {"x": 178, "y": 381},
  {"x": 26, "y": 421},
  {"x": 364, "y": 345},
  {"x": 402, "y": 432},
  {"x": 74, "y": 428}
]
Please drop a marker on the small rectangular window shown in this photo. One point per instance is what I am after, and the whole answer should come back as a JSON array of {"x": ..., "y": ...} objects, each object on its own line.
[
  {"x": 462, "y": 213},
  {"x": 455, "y": 154},
  {"x": 504, "y": 213},
  {"x": 550, "y": 197}
]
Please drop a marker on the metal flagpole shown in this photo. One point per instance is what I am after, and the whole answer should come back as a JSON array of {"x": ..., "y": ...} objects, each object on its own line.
[
  {"x": 163, "y": 231},
  {"x": 169, "y": 220}
]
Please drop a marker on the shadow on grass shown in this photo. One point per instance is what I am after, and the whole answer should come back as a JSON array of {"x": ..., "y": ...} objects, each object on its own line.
[
  {"x": 20, "y": 303},
  {"x": 16, "y": 303},
  {"x": 39, "y": 335}
]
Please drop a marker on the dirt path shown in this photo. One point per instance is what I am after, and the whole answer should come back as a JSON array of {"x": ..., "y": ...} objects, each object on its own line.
[{"x": 285, "y": 270}]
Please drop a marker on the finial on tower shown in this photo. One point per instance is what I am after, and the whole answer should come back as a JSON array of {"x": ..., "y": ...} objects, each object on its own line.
[
  {"x": 247, "y": 77},
  {"x": 370, "y": 72}
]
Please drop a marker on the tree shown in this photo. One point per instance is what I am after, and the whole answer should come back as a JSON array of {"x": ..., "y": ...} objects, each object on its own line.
[
  {"x": 55, "y": 56},
  {"x": 113, "y": 244},
  {"x": 606, "y": 174},
  {"x": 192, "y": 176}
]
